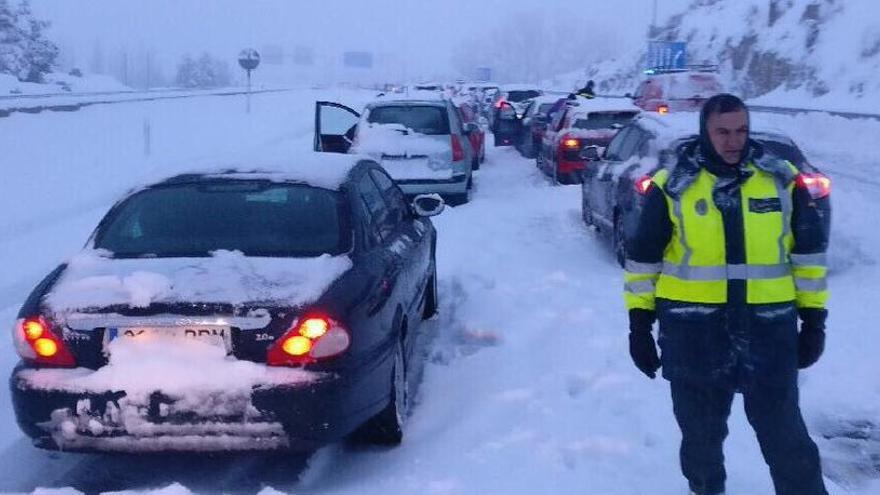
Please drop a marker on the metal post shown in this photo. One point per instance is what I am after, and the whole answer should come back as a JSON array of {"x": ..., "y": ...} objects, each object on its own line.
[
  {"x": 148, "y": 137},
  {"x": 248, "y": 91}
]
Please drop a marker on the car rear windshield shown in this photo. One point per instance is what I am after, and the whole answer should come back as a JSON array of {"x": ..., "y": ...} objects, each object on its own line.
[
  {"x": 255, "y": 217},
  {"x": 603, "y": 120},
  {"x": 424, "y": 119},
  {"x": 684, "y": 86},
  {"x": 517, "y": 96}
]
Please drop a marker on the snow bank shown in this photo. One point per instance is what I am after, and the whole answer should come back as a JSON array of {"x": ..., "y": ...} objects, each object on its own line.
[{"x": 93, "y": 279}]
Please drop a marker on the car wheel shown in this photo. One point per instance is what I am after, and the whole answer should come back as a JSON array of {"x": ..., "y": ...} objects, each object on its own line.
[
  {"x": 618, "y": 242},
  {"x": 430, "y": 308},
  {"x": 386, "y": 428},
  {"x": 586, "y": 213}
]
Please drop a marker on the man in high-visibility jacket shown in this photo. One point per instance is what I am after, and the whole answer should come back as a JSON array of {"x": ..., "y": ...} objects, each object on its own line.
[{"x": 728, "y": 252}]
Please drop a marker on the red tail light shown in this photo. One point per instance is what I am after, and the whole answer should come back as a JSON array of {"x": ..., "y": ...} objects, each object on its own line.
[
  {"x": 501, "y": 103},
  {"x": 663, "y": 109},
  {"x": 818, "y": 185},
  {"x": 457, "y": 150},
  {"x": 311, "y": 339},
  {"x": 37, "y": 343},
  {"x": 643, "y": 184},
  {"x": 571, "y": 143}
]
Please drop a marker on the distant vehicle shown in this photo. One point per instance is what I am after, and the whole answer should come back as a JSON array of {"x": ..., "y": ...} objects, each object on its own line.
[
  {"x": 534, "y": 122},
  {"x": 429, "y": 86},
  {"x": 614, "y": 184},
  {"x": 420, "y": 141},
  {"x": 581, "y": 122},
  {"x": 509, "y": 106},
  {"x": 255, "y": 309},
  {"x": 665, "y": 91},
  {"x": 468, "y": 113}
]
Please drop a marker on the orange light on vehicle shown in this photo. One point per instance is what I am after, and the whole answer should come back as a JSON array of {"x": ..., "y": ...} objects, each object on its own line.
[
  {"x": 45, "y": 347},
  {"x": 314, "y": 328},
  {"x": 33, "y": 329},
  {"x": 571, "y": 143},
  {"x": 297, "y": 345},
  {"x": 643, "y": 184},
  {"x": 663, "y": 109}
]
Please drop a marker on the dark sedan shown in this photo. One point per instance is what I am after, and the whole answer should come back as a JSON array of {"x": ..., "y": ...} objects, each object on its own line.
[
  {"x": 233, "y": 311},
  {"x": 614, "y": 185}
]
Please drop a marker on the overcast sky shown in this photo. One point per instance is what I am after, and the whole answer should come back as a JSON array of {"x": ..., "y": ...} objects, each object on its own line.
[{"x": 420, "y": 33}]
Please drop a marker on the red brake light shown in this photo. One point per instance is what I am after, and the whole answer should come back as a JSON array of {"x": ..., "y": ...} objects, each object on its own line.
[
  {"x": 643, "y": 185},
  {"x": 457, "y": 150},
  {"x": 311, "y": 339},
  {"x": 571, "y": 143},
  {"x": 37, "y": 343},
  {"x": 500, "y": 103},
  {"x": 663, "y": 109},
  {"x": 818, "y": 185}
]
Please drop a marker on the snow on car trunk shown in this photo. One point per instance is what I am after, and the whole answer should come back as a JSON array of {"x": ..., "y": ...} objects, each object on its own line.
[
  {"x": 405, "y": 153},
  {"x": 93, "y": 279}
]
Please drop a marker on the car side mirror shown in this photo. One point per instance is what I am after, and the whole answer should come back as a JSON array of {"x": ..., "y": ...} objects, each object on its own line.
[
  {"x": 590, "y": 154},
  {"x": 427, "y": 205},
  {"x": 471, "y": 127}
]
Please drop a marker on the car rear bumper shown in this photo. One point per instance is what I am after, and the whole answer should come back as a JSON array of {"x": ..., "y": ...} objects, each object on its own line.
[
  {"x": 303, "y": 417},
  {"x": 456, "y": 185}
]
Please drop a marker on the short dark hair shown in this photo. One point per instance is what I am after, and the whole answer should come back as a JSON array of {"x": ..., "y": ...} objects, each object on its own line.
[{"x": 723, "y": 103}]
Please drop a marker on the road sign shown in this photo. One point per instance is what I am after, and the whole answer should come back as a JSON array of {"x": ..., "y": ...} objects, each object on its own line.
[
  {"x": 666, "y": 55},
  {"x": 248, "y": 59}
]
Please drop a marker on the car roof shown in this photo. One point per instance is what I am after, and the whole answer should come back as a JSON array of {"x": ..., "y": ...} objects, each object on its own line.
[
  {"x": 420, "y": 98},
  {"x": 317, "y": 169},
  {"x": 583, "y": 106}
]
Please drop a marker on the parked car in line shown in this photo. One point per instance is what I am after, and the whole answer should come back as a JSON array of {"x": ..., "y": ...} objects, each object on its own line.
[
  {"x": 674, "y": 90},
  {"x": 534, "y": 122},
  {"x": 509, "y": 106},
  {"x": 615, "y": 183},
  {"x": 243, "y": 309},
  {"x": 581, "y": 122},
  {"x": 420, "y": 141},
  {"x": 468, "y": 113}
]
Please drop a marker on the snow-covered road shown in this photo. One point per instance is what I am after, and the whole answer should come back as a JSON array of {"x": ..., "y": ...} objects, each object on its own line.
[{"x": 529, "y": 387}]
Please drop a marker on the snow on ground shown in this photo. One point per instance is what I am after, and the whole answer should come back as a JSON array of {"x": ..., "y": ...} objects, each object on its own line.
[{"x": 529, "y": 387}]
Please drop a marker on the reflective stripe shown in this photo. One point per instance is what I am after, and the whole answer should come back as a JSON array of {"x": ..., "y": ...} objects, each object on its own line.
[
  {"x": 810, "y": 284},
  {"x": 639, "y": 287},
  {"x": 676, "y": 207},
  {"x": 726, "y": 272},
  {"x": 785, "y": 200},
  {"x": 817, "y": 259},
  {"x": 642, "y": 268}
]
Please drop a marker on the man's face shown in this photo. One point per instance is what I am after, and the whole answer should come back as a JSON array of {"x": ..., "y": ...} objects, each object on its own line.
[{"x": 728, "y": 133}]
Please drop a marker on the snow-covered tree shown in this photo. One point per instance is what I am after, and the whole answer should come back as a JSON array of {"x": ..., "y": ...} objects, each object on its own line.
[
  {"x": 204, "y": 72},
  {"x": 25, "y": 51}
]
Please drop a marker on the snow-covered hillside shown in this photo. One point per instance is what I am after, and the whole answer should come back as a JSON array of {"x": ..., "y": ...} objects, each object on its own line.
[{"x": 815, "y": 53}]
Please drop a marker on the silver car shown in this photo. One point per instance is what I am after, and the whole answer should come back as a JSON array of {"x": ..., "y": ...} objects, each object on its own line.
[{"x": 421, "y": 142}]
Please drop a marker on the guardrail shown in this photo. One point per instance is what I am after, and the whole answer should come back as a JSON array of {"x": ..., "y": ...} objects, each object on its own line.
[
  {"x": 793, "y": 110},
  {"x": 137, "y": 96}
]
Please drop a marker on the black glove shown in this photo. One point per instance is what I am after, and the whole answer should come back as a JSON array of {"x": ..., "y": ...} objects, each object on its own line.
[
  {"x": 642, "y": 348},
  {"x": 811, "y": 340}
]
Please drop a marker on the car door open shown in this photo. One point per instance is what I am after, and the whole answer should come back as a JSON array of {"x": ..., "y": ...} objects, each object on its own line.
[{"x": 335, "y": 126}]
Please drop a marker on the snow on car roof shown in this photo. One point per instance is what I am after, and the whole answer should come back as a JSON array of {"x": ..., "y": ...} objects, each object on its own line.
[
  {"x": 325, "y": 170},
  {"x": 423, "y": 97},
  {"x": 587, "y": 105}
]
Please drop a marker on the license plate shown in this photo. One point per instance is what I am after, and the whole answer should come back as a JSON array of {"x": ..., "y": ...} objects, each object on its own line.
[{"x": 215, "y": 335}]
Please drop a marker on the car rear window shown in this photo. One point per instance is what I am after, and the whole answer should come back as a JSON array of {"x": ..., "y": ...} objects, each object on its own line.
[
  {"x": 517, "y": 96},
  {"x": 424, "y": 119},
  {"x": 684, "y": 86},
  {"x": 255, "y": 217},
  {"x": 603, "y": 120}
]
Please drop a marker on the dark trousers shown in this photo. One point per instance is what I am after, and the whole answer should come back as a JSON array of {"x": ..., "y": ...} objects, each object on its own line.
[{"x": 702, "y": 411}]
